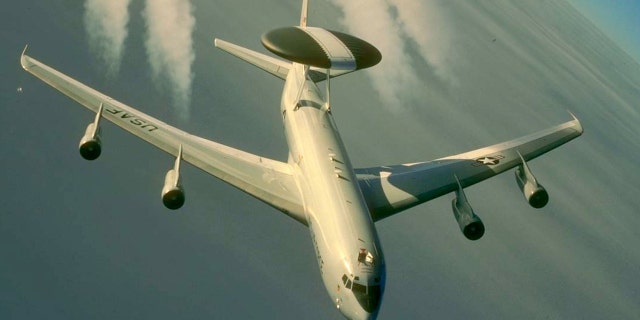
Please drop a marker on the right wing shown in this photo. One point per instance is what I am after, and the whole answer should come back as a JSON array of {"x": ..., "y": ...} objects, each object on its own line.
[
  {"x": 392, "y": 189},
  {"x": 268, "y": 180}
]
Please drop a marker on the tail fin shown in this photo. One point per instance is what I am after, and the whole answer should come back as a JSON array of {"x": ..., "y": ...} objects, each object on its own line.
[
  {"x": 303, "y": 14},
  {"x": 269, "y": 64}
]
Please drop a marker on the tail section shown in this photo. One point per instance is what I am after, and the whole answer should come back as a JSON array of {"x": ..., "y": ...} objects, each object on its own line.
[
  {"x": 327, "y": 53},
  {"x": 303, "y": 14}
]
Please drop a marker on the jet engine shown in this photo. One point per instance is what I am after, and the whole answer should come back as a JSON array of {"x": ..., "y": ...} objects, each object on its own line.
[
  {"x": 172, "y": 192},
  {"x": 535, "y": 193},
  {"x": 90, "y": 146},
  {"x": 470, "y": 224}
]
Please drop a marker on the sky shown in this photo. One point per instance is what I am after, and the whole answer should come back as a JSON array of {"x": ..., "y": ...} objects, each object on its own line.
[
  {"x": 618, "y": 19},
  {"x": 83, "y": 239}
]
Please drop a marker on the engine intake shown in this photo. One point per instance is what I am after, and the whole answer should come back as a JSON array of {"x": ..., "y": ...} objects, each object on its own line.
[
  {"x": 470, "y": 224},
  {"x": 172, "y": 192},
  {"x": 535, "y": 194},
  {"x": 90, "y": 145}
]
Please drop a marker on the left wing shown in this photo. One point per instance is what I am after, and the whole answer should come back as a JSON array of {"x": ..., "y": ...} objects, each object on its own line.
[
  {"x": 391, "y": 189},
  {"x": 268, "y": 180}
]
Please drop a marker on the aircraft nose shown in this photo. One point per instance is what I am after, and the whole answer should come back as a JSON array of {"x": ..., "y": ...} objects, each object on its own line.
[
  {"x": 360, "y": 315},
  {"x": 369, "y": 297},
  {"x": 364, "y": 302}
]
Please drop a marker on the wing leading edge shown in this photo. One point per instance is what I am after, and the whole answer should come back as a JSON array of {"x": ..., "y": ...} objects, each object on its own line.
[
  {"x": 391, "y": 189},
  {"x": 268, "y": 180}
]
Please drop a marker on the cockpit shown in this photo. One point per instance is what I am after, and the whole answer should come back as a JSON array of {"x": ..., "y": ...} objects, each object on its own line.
[{"x": 368, "y": 296}]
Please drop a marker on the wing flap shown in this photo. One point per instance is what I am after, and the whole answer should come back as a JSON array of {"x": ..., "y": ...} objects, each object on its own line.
[
  {"x": 268, "y": 180},
  {"x": 392, "y": 189}
]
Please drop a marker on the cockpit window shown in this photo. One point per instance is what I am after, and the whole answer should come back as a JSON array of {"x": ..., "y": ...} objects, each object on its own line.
[
  {"x": 358, "y": 288},
  {"x": 346, "y": 281},
  {"x": 368, "y": 297}
]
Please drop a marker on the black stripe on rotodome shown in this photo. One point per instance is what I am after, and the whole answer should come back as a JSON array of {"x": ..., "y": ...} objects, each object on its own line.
[
  {"x": 296, "y": 45},
  {"x": 366, "y": 55}
]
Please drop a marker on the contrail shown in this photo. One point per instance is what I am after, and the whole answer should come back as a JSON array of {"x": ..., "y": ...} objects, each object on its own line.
[
  {"x": 390, "y": 25},
  {"x": 372, "y": 21},
  {"x": 170, "y": 25},
  {"x": 106, "y": 25},
  {"x": 426, "y": 23}
]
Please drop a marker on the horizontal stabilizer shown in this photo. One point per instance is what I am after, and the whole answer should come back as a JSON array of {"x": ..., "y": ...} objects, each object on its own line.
[{"x": 272, "y": 65}]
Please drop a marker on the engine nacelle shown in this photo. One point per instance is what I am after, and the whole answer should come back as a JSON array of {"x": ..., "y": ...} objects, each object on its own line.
[
  {"x": 90, "y": 146},
  {"x": 534, "y": 192},
  {"x": 470, "y": 224},
  {"x": 172, "y": 192}
]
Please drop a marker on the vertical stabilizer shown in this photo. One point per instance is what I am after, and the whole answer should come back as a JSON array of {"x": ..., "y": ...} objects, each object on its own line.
[{"x": 303, "y": 14}]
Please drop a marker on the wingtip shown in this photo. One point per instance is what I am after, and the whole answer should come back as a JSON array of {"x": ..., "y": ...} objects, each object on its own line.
[
  {"x": 577, "y": 121},
  {"x": 23, "y": 60}
]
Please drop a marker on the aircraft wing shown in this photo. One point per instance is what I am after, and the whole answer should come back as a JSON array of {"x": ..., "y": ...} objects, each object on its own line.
[
  {"x": 268, "y": 180},
  {"x": 391, "y": 189}
]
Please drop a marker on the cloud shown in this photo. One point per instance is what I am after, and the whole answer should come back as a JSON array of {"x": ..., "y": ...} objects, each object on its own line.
[
  {"x": 170, "y": 25},
  {"x": 106, "y": 25}
]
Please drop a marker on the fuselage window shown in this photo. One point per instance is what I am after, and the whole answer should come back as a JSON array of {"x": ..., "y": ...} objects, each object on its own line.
[{"x": 348, "y": 285}]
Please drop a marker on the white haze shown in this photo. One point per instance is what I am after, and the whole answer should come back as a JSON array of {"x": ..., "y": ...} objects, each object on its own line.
[
  {"x": 106, "y": 26},
  {"x": 170, "y": 26}
]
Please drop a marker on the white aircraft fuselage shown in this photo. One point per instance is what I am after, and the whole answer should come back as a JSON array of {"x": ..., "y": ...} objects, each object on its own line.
[{"x": 344, "y": 236}]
